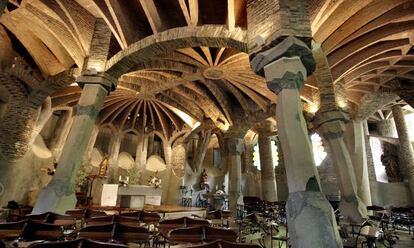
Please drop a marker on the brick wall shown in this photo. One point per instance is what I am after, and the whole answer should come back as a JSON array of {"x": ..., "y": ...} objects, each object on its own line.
[{"x": 275, "y": 19}]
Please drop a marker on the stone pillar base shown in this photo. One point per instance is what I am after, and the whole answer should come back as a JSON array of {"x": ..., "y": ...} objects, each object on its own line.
[
  {"x": 50, "y": 200},
  {"x": 353, "y": 209},
  {"x": 311, "y": 220}
]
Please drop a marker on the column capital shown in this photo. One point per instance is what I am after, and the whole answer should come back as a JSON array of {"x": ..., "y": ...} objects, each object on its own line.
[
  {"x": 104, "y": 79},
  {"x": 234, "y": 145},
  {"x": 289, "y": 47},
  {"x": 332, "y": 130},
  {"x": 322, "y": 117}
]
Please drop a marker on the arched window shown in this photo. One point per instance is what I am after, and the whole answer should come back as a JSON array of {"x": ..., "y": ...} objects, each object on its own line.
[
  {"x": 256, "y": 155},
  {"x": 319, "y": 153}
]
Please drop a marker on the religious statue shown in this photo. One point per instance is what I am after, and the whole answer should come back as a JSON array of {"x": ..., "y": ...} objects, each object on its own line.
[
  {"x": 204, "y": 181},
  {"x": 155, "y": 180},
  {"x": 103, "y": 166},
  {"x": 389, "y": 159}
]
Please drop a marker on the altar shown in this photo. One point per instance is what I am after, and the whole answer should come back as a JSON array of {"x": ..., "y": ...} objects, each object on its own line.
[{"x": 130, "y": 196}]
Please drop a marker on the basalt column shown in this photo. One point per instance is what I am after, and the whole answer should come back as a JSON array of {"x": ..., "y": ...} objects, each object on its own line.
[
  {"x": 268, "y": 178},
  {"x": 234, "y": 146},
  {"x": 59, "y": 195},
  {"x": 279, "y": 36},
  {"x": 406, "y": 148},
  {"x": 330, "y": 121}
]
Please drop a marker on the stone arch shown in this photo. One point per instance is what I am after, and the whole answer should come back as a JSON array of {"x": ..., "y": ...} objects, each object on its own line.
[{"x": 173, "y": 39}]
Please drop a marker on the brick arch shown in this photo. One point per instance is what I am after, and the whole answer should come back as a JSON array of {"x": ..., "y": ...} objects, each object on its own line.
[
  {"x": 171, "y": 40},
  {"x": 18, "y": 130}
]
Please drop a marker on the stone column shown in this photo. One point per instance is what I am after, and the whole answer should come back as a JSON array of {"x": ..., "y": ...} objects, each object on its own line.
[
  {"x": 280, "y": 173},
  {"x": 356, "y": 146},
  {"x": 59, "y": 195},
  {"x": 406, "y": 148},
  {"x": 310, "y": 216},
  {"x": 113, "y": 157},
  {"x": 267, "y": 172},
  {"x": 330, "y": 120},
  {"x": 370, "y": 160},
  {"x": 234, "y": 147}
]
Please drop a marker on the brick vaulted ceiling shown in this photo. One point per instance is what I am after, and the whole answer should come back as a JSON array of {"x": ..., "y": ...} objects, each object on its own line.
[{"x": 163, "y": 71}]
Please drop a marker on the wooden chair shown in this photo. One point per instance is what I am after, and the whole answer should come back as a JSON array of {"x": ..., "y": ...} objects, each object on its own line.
[
  {"x": 66, "y": 221},
  {"x": 100, "y": 220},
  {"x": 39, "y": 218},
  {"x": 128, "y": 221},
  {"x": 41, "y": 231},
  {"x": 89, "y": 213},
  {"x": 165, "y": 226},
  {"x": 95, "y": 244},
  {"x": 225, "y": 244},
  {"x": 129, "y": 234},
  {"x": 150, "y": 217},
  {"x": 11, "y": 230},
  {"x": 98, "y": 232},
  {"x": 193, "y": 235},
  {"x": 76, "y": 213},
  {"x": 214, "y": 244},
  {"x": 58, "y": 244},
  {"x": 134, "y": 214},
  {"x": 190, "y": 222},
  {"x": 212, "y": 234}
]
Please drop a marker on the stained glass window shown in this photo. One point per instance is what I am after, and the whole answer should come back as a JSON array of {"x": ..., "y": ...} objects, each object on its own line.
[{"x": 319, "y": 153}]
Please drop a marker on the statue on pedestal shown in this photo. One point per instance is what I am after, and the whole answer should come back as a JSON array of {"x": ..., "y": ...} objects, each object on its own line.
[
  {"x": 204, "y": 181},
  {"x": 155, "y": 180}
]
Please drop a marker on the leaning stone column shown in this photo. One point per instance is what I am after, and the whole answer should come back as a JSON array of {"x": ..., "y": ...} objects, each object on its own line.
[
  {"x": 330, "y": 120},
  {"x": 406, "y": 148},
  {"x": 268, "y": 178},
  {"x": 357, "y": 150},
  {"x": 59, "y": 195},
  {"x": 234, "y": 147},
  {"x": 113, "y": 157},
  {"x": 310, "y": 216}
]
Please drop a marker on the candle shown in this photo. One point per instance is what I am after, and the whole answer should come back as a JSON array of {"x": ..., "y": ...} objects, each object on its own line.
[{"x": 120, "y": 178}]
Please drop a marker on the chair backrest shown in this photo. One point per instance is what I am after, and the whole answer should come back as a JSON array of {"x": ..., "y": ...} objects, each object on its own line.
[
  {"x": 59, "y": 244},
  {"x": 97, "y": 232},
  {"x": 41, "y": 231},
  {"x": 187, "y": 235},
  {"x": 39, "y": 218},
  {"x": 11, "y": 230},
  {"x": 128, "y": 221},
  {"x": 96, "y": 244},
  {"x": 225, "y": 244},
  {"x": 62, "y": 220},
  {"x": 130, "y": 234},
  {"x": 135, "y": 214},
  {"x": 214, "y": 244},
  {"x": 89, "y": 213},
  {"x": 76, "y": 213},
  {"x": 149, "y": 217},
  {"x": 165, "y": 226},
  {"x": 190, "y": 222},
  {"x": 216, "y": 214},
  {"x": 212, "y": 234},
  {"x": 100, "y": 220}
]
